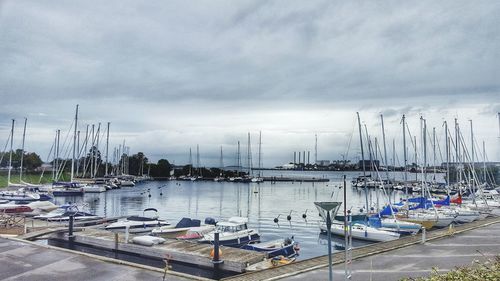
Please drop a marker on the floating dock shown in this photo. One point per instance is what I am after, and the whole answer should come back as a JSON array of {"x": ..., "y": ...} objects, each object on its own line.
[{"x": 235, "y": 260}]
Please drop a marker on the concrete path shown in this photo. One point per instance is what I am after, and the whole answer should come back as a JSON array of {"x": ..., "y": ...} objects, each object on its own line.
[
  {"x": 28, "y": 262},
  {"x": 418, "y": 260}
]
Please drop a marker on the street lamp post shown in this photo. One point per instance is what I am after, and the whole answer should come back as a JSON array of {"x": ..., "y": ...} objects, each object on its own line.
[{"x": 328, "y": 207}]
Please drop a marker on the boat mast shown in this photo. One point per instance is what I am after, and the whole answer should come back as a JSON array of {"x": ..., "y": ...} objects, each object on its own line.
[
  {"x": 405, "y": 157},
  {"x": 484, "y": 165},
  {"x": 473, "y": 160},
  {"x": 92, "y": 149},
  {"x": 57, "y": 154},
  {"x": 363, "y": 160},
  {"x": 385, "y": 149},
  {"x": 85, "y": 151},
  {"x": 221, "y": 162},
  {"x": 22, "y": 151},
  {"x": 96, "y": 164},
  {"x": 249, "y": 156},
  {"x": 447, "y": 151},
  {"x": 107, "y": 148},
  {"x": 260, "y": 153},
  {"x": 190, "y": 162},
  {"x": 10, "y": 155},
  {"x": 74, "y": 145},
  {"x": 198, "y": 159},
  {"x": 54, "y": 158},
  {"x": 457, "y": 154},
  {"x": 434, "y": 151},
  {"x": 79, "y": 153},
  {"x": 238, "y": 159}
]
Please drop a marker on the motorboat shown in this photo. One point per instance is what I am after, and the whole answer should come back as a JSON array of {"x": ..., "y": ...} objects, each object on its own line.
[
  {"x": 196, "y": 233},
  {"x": 19, "y": 196},
  {"x": 233, "y": 232},
  {"x": 181, "y": 228},
  {"x": 10, "y": 208},
  {"x": 138, "y": 224},
  {"x": 77, "y": 215},
  {"x": 281, "y": 247},
  {"x": 94, "y": 188},
  {"x": 67, "y": 189}
]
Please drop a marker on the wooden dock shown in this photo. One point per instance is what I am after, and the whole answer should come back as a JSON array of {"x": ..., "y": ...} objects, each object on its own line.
[
  {"x": 322, "y": 261},
  {"x": 235, "y": 260}
]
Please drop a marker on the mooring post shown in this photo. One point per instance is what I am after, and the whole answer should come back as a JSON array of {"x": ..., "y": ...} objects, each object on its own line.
[
  {"x": 71, "y": 222},
  {"x": 127, "y": 228},
  {"x": 423, "y": 234},
  {"x": 116, "y": 241},
  {"x": 216, "y": 260}
]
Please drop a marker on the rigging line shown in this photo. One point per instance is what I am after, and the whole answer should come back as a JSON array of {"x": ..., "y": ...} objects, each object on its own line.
[
  {"x": 350, "y": 139},
  {"x": 5, "y": 148}
]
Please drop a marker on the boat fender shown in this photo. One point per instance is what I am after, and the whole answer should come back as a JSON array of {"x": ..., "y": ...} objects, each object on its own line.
[
  {"x": 212, "y": 252},
  {"x": 147, "y": 240}
]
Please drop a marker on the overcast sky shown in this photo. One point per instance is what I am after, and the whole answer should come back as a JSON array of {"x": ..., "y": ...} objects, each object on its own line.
[{"x": 172, "y": 74}]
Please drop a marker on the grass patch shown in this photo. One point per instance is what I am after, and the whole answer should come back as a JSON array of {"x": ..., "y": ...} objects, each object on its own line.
[
  {"x": 478, "y": 271},
  {"x": 33, "y": 178}
]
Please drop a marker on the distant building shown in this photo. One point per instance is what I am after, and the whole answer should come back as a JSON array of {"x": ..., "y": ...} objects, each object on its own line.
[
  {"x": 368, "y": 164},
  {"x": 44, "y": 167},
  {"x": 323, "y": 162}
]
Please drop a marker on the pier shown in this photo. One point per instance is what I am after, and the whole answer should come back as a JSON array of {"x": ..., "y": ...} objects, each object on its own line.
[
  {"x": 388, "y": 260},
  {"x": 235, "y": 260}
]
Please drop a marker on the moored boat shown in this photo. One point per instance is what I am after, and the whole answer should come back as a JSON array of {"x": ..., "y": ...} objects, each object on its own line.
[{"x": 233, "y": 233}]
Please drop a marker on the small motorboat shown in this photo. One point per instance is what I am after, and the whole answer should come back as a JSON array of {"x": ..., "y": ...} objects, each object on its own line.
[
  {"x": 94, "y": 188},
  {"x": 233, "y": 233},
  {"x": 282, "y": 247},
  {"x": 138, "y": 224},
  {"x": 9, "y": 208},
  {"x": 77, "y": 215},
  {"x": 19, "y": 196},
  {"x": 181, "y": 228},
  {"x": 270, "y": 263},
  {"x": 196, "y": 233}
]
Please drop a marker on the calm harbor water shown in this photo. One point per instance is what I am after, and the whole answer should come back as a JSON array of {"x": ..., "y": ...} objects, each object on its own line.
[{"x": 261, "y": 203}]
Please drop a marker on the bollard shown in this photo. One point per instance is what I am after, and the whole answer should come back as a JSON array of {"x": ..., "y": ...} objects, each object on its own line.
[
  {"x": 71, "y": 222},
  {"x": 423, "y": 234},
  {"x": 127, "y": 228},
  {"x": 116, "y": 241},
  {"x": 216, "y": 258}
]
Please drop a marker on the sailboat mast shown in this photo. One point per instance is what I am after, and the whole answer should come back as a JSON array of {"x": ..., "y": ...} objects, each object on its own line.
[
  {"x": 74, "y": 145},
  {"x": 221, "y": 164},
  {"x": 473, "y": 160},
  {"x": 363, "y": 160},
  {"x": 385, "y": 148},
  {"x": 107, "y": 148},
  {"x": 190, "y": 162},
  {"x": 10, "y": 154},
  {"x": 198, "y": 159},
  {"x": 249, "y": 156},
  {"x": 260, "y": 153},
  {"x": 96, "y": 163},
  {"x": 484, "y": 165},
  {"x": 54, "y": 159},
  {"x": 22, "y": 151},
  {"x": 238, "y": 158},
  {"x": 404, "y": 154},
  {"x": 447, "y": 151},
  {"x": 434, "y": 151}
]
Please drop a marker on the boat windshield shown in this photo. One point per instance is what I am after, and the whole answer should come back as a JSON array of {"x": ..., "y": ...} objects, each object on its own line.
[{"x": 231, "y": 228}]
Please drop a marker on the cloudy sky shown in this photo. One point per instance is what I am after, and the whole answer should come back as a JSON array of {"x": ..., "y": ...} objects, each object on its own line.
[{"x": 172, "y": 74}]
